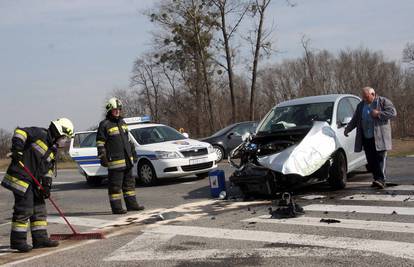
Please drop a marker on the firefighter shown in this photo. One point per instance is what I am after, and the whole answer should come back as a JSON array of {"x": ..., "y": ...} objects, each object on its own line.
[
  {"x": 36, "y": 148},
  {"x": 117, "y": 152}
]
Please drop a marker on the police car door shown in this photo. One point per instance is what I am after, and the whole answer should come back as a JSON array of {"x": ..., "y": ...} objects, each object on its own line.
[{"x": 83, "y": 151}]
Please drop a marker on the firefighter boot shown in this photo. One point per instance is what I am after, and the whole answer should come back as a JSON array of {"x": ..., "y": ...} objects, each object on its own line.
[
  {"x": 132, "y": 204},
  {"x": 116, "y": 206},
  {"x": 18, "y": 241},
  {"x": 44, "y": 243}
]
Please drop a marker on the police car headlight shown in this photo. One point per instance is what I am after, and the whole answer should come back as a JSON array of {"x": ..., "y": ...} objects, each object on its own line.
[
  {"x": 166, "y": 155},
  {"x": 210, "y": 149}
]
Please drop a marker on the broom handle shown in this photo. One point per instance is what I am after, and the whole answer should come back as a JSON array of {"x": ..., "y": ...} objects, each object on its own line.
[{"x": 50, "y": 199}]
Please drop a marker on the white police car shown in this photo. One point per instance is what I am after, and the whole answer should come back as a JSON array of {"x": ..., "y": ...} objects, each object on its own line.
[{"x": 162, "y": 152}]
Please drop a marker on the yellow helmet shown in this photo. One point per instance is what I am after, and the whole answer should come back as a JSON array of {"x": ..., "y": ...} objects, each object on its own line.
[
  {"x": 64, "y": 127},
  {"x": 113, "y": 103}
]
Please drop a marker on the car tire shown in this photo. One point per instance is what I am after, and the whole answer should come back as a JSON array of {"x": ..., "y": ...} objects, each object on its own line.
[
  {"x": 93, "y": 180},
  {"x": 338, "y": 171},
  {"x": 146, "y": 173},
  {"x": 219, "y": 152},
  {"x": 202, "y": 175}
]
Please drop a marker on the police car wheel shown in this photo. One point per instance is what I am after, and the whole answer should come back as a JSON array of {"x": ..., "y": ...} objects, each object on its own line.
[
  {"x": 219, "y": 152},
  {"x": 146, "y": 173},
  {"x": 93, "y": 180}
]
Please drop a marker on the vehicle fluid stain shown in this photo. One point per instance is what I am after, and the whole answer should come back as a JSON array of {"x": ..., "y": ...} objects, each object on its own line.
[{"x": 286, "y": 245}]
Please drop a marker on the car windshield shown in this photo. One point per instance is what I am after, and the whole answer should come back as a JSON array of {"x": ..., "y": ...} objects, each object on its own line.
[
  {"x": 297, "y": 116},
  {"x": 222, "y": 131},
  {"x": 156, "y": 134}
]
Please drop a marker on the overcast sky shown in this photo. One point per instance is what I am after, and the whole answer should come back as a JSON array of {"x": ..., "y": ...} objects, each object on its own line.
[{"x": 63, "y": 58}]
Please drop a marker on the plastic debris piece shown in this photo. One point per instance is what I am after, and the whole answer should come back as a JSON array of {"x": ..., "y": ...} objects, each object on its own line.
[{"x": 328, "y": 221}]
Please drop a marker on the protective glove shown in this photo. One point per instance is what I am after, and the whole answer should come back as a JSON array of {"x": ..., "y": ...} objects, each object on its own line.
[
  {"x": 17, "y": 156},
  {"x": 46, "y": 183},
  {"x": 104, "y": 161}
]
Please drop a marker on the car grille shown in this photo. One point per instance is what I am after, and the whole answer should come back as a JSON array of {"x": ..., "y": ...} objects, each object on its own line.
[
  {"x": 194, "y": 152},
  {"x": 196, "y": 167}
]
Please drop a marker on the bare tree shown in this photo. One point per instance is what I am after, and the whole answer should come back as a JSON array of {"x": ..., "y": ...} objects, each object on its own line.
[
  {"x": 236, "y": 9},
  {"x": 5, "y": 142},
  {"x": 258, "y": 9},
  {"x": 408, "y": 53}
]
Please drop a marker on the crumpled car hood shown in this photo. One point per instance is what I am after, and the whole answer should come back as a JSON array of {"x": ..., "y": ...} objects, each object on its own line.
[{"x": 307, "y": 156}]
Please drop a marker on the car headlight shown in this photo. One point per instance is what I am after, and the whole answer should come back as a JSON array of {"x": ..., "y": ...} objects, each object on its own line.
[
  {"x": 210, "y": 149},
  {"x": 167, "y": 155}
]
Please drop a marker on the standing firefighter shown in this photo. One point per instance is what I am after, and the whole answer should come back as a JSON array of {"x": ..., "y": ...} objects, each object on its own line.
[
  {"x": 36, "y": 149},
  {"x": 117, "y": 152}
]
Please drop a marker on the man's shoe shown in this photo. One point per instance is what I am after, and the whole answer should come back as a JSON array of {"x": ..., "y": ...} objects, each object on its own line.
[
  {"x": 45, "y": 243},
  {"x": 137, "y": 208},
  {"x": 119, "y": 211},
  {"x": 379, "y": 184},
  {"x": 21, "y": 247}
]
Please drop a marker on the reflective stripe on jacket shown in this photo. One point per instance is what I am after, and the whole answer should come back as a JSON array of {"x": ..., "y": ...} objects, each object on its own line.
[
  {"x": 38, "y": 156},
  {"x": 112, "y": 141}
]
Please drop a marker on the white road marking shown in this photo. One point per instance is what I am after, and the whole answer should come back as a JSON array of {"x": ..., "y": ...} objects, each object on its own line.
[
  {"x": 189, "y": 183},
  {"x": 404, "y": 187},
  {"x": 313, "y": 197},
  {"x": 399, "y": 198},
  {"x": 154, "y": 246},
  {"x": 80, "y": 221},
  {"x": 360, "y": 209},
  {"x": 391, "y": 248},
  {"x": 396, "y": 227}
]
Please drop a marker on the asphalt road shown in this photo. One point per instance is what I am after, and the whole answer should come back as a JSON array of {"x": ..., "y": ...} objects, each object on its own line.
[{"x": 183, "y": 226}]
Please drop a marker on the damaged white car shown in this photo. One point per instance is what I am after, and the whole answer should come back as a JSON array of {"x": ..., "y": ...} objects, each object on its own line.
[{"x": 299, "y": 142}]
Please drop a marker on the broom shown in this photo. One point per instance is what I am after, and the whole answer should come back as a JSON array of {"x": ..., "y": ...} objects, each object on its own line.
[{"x": 75, "y": 235}]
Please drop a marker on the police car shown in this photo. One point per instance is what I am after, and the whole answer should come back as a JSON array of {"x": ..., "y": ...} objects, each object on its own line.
[{"x": 162, "y": 152}]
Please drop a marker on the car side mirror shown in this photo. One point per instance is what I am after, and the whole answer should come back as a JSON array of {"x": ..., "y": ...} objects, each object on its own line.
[
  {"x": 186, "y": 135},
  {"x": 345, "y": 121},
  {"x": 230, "y": 135},
  {"x": 246, "y": 136}
]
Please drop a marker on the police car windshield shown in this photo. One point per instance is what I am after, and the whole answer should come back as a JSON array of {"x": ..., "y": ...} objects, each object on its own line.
[{"x": 156, "y": 134}]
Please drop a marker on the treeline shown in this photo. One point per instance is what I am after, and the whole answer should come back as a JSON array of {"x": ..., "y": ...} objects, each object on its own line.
[{"x": 197, "y": 76}]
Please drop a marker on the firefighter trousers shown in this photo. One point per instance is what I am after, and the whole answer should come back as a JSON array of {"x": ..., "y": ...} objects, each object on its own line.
[
  {"x": 121, "y": 185},
  {"x": 30, "y": 208}
]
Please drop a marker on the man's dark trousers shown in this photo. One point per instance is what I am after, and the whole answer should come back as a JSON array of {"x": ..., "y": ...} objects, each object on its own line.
[{"x": 376, "y": 159}]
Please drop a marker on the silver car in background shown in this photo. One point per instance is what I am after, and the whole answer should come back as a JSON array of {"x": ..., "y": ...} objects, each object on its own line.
[{"x": 300, "y": 141}]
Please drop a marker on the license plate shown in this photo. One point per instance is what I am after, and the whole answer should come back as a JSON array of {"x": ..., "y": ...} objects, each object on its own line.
[{"x": 198, "y": 161}]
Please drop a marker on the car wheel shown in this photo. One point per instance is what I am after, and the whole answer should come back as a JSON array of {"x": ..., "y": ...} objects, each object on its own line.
[
  {"x": 146, "y": 173},
  {"x": 337, "y": 173},
  {"x": 93, "y": 180},
  {"x": 202, "y": 175},
  {"x": 219, "y": 152}
]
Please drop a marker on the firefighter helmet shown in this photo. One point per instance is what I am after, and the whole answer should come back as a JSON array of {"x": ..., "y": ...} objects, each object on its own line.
[
  {"x": 63, "y": 127},
  {"x": 113, "y": 103}
]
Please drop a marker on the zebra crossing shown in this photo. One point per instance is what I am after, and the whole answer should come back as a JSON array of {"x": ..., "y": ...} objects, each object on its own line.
[{"x": 159, "y": 236}]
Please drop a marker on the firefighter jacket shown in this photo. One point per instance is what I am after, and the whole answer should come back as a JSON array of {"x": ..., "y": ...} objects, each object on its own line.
[
  {"x": 38, "y": 156},
  {"x": 113, "y": 143}
]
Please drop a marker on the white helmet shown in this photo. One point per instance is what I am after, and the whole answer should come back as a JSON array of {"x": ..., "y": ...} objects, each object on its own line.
[
  {"x": 64, "y": 127},
  {"x": 113, "y": 103}
]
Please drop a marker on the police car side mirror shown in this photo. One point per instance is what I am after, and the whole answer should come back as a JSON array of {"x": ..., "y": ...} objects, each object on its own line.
[
  {"x": 230, "y": 135},
  {"x": 186, "y": 135}
]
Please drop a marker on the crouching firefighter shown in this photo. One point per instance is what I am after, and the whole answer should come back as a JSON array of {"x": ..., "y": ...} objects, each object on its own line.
[
  {"x": 36, "y": 149},
  {"x": 117, "y": 152}
]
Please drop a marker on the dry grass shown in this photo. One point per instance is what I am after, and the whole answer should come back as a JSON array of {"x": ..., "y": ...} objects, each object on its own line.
[{"x": 402, "y": 147}]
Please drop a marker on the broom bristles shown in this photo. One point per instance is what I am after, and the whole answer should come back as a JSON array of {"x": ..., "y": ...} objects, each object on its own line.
[{"x": 77, "y": 236}]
